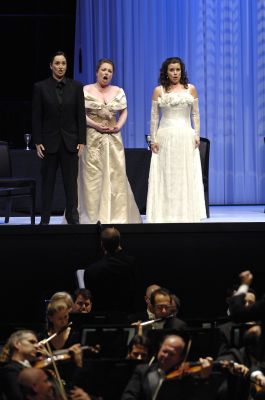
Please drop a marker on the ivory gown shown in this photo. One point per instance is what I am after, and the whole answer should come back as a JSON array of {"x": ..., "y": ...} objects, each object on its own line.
[
  {"x": 175, "y": 188},
  {"x": 104, "y": 193}
]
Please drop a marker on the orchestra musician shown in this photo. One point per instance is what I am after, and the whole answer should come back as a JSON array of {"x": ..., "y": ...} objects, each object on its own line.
[
  {"x": 147, "y": 380},
  {"x": 18, "y": 353}
]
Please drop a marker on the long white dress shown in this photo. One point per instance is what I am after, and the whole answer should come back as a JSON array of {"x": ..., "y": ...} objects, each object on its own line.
[
  {"x": 175, "y": 188},
  {"x": 104, "y": 193}
]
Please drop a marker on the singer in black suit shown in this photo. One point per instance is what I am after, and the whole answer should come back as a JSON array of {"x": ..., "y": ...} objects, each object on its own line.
[{"x": 59, "y": 132}]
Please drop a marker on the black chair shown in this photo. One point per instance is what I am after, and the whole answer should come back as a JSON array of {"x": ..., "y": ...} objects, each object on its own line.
[
  {"x": 205, "y": 154},
  {"x": 14, "y": 187}
]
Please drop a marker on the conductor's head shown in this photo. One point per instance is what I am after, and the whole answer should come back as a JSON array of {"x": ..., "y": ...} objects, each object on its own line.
[{"x": 110, "y": 240}]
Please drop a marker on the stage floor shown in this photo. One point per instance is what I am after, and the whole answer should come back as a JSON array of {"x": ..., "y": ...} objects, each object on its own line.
[{"x": 217, "y": 214}]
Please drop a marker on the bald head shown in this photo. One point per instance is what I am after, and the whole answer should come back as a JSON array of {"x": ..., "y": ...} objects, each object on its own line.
[
  {"x": 35, "y": 384},
  {"x": 149, "y": 290},
  {"x": 171, "y": 352},
  {"x": 110, "y": 240},
  {"x": 29, "y": 376}
]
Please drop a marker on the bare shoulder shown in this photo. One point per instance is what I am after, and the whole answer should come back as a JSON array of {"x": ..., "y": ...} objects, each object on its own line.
[
  {"x": 156, "y": 93},
  {"x": 117, "y": 89},
  {"x": 88, "y": 87},
  {"x": 192, "y": 90}
]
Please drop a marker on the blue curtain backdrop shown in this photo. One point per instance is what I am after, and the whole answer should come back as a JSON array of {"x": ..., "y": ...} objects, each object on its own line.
[{"x": 222, "y": 43}]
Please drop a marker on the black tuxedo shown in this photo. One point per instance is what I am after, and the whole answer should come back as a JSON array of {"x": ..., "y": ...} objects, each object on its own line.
[
  {"x": 10, "y": 388},
  {"x": 112, "y": 282},
  {"x": 60, "y": 126},
  {"x": 145, "y": 380}
]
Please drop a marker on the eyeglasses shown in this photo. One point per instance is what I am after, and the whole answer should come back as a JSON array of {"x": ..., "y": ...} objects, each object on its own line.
[{"x": 161, "y": 307}]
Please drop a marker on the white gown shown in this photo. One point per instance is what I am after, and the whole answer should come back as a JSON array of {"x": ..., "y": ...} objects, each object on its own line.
[
  {"x": 104, "y": 193},
  {"x": 175, "y": 188}
]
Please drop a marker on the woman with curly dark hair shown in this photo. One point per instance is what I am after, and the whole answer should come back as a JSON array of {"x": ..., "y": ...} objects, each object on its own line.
[{"x": 175, "y": 189}]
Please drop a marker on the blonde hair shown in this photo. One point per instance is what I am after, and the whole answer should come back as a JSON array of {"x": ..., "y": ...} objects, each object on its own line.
[
  {"x": 65, "y": 296},
  {"x": 53, "y": 308},
  {"x": 9, "y": 347}
]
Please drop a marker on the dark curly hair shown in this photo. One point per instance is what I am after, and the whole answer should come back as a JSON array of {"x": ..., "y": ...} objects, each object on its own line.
[
  {"x": 107, "y": 61},
  {"x": 163, "y": 78}
]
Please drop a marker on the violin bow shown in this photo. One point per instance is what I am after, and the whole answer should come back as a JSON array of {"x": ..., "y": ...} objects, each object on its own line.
[
  {"x": 186, "y": 354},
  {"x": 59, "y": 380},
  {"x": 45, "y": 342}
]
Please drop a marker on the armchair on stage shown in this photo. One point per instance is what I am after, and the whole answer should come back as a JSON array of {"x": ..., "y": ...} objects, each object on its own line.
[{"x": 13, "y": 187}]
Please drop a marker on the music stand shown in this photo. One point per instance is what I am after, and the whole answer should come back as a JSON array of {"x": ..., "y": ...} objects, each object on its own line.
[{"x": 112, "y": 339}]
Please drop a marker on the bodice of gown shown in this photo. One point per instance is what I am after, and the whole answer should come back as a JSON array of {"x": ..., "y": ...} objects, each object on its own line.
[
  {"x": 102, "y": 112},
  {"x": 176, "y": 107}
]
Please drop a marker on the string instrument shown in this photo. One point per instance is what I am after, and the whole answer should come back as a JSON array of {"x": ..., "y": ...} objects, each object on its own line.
[
  {"x": 62, "y": 355},
  {"x": 195, "y": 367},
  {"x": 186, "y": 368}
]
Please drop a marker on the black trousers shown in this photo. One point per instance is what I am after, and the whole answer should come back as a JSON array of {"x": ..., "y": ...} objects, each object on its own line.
[{"x": 68, "y": 162}]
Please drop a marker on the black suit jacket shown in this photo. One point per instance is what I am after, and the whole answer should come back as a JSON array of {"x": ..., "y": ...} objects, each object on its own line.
[
  {"x": 52, "y": 121},
  {"x": 225, "y": 342},
  {"x": 112, "y": 282},
  {"x": 175, "y": 323},
  {"x": 9, "y": 372},
  {"x": 144, "y": 381}
]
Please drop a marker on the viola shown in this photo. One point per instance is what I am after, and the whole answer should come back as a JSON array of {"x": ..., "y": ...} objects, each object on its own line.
[{"x": 62, "y": 355}]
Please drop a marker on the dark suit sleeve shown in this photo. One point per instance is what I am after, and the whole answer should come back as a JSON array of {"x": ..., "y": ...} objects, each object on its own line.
[
  {"x": 37, "y": 114},
  {"x": 87, "y": 278},
  {"x": 81, "y": 115},
  {"x": 175, "y": 323},
  {"x": 134, "y": 388},
  {"x": 240, "y": 313},
  {"x": 10, "y": 384}
]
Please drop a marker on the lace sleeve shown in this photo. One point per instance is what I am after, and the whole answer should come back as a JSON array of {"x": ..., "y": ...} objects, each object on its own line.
[
  {"x": 195, "y": 113},
  {"x": 154, "y": 120}
]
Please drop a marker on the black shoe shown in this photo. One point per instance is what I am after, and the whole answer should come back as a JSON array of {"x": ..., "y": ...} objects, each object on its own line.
[{"x": 44, "y": 222}]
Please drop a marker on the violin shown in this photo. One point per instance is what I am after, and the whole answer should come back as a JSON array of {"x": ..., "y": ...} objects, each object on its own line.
[
  {"x": 62, "y": 355},
  {"x": 186, "y": 368},
  {"x": 195, "y": 367}
]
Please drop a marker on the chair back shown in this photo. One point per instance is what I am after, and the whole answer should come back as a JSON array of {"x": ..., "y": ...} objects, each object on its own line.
[
  {"x": 205, "y": 155},
  {"x": 5, "y": 161}
]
